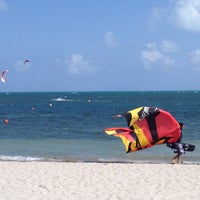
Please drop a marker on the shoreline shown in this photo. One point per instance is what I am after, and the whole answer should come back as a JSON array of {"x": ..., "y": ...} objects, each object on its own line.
[
  {"x": 92, "y": 180},
  {"x": 99, "y": 160},
  {"x": 102, "y": 162}
]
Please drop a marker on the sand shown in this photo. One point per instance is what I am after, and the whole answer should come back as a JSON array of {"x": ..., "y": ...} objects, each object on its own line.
[{"x": 112, "y": 181}]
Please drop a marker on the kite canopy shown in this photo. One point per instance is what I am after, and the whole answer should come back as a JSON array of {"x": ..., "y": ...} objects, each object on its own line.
[
  {"x": 26, "y": 61},
  {"x": 3, "y": 80},
  {"x": 148, "y": 126}
]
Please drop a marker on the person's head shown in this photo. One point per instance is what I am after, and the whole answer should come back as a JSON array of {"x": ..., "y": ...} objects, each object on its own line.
[{"x": 181, "y": 125}]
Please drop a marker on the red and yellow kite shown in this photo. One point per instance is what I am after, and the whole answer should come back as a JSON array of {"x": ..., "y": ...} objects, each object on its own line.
[{"x": 148, "y": 126}]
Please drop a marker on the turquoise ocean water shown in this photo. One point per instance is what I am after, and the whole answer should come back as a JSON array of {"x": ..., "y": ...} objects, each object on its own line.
[{"x": 68, "y": 126}]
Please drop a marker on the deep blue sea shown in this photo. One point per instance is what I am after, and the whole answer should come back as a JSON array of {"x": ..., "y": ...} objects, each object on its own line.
[{"x": 68, "y": 126}]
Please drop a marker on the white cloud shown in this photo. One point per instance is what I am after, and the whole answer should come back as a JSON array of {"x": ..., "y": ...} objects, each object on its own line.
[
  {"x": 21, "y": 66},
  {"x": 152, "y": 55},
  {"x": 168, "y": 46},
  {"x": 110, "y": 40},
  {"x": 3, "y": 5},
  {"x": 195, "y": 58},
  {"x": 187, "y": 14},
  {"x": 184, "y": 14},
  {"x": 157, "y": 15},
  {"x": 78, "y": 64}
]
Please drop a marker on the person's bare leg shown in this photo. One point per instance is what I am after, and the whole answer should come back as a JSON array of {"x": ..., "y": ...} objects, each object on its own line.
[
  {"x": 179, "y": 159},
  {"x": 174, "y": 159}
]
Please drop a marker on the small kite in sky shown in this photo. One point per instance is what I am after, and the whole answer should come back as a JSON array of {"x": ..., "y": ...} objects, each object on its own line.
[
  {"x": 26, "y": 61},
  {"x": 3, "y": 80}
]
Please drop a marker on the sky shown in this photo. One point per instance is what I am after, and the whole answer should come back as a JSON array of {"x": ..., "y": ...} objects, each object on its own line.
[{"x": 107, "y": 45}]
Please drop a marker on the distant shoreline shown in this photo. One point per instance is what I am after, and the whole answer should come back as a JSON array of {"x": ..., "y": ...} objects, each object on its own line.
[{"x": 99, "y": 91}]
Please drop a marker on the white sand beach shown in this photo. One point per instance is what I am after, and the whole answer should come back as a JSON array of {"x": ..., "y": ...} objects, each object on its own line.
[{"x": 73, "y": 181}]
